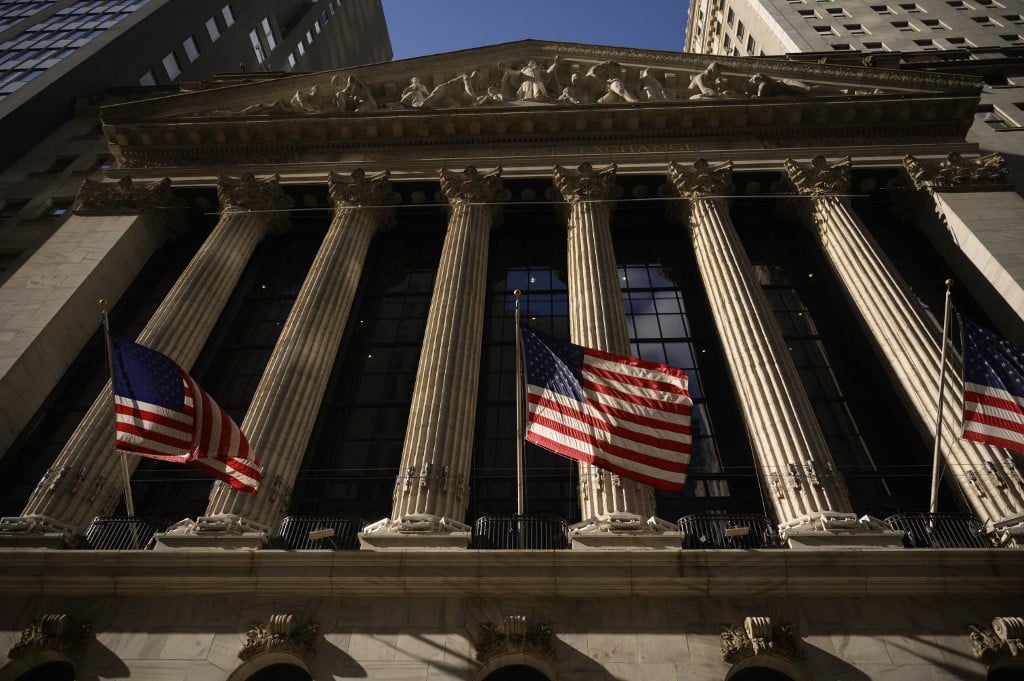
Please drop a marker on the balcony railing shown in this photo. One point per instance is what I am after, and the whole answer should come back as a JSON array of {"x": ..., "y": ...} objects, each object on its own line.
[
  {"x": 122, "y": 533},
  {"x": 333, "y": 533},
  {"x": 728, "y": 531},
  {"x": 520, "y": 532},
  {"x": 940, "y": 530}
]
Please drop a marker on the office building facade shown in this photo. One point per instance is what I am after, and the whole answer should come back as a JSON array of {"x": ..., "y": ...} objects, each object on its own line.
[{"x": 335, "y": 257}]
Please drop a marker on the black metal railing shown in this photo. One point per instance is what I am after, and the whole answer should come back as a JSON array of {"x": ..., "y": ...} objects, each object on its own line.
[
  {"x": 304, "y": 533},
  {"x": 122, "y": 533},
  {"x": 940, "y": 530},
  {"x": 520, "y": 532},
  {"x": 728, "y": 531}
]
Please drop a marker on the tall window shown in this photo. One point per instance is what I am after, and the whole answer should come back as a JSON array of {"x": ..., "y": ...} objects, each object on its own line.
[
  {"x": 212, "y": 29},
  {"x": 229, "y": 16},
  {"x": 191, "y": 50},
  {"x": 171, "y": 66},
  {"x": 354, "y": 454},
  {"x": 268, "y": 33}
]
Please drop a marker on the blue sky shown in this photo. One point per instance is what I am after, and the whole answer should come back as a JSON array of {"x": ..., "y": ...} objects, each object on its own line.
[{"x": 421, "y": 27}]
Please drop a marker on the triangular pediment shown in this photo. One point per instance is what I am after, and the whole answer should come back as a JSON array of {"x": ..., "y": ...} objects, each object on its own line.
[{"x": 527, "y": 87}]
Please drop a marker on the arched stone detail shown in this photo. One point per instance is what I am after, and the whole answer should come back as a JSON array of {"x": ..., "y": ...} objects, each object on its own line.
[
  {"x": 55, "y": 633},
  {"x": 280, "y": 634},
  {"x": 759, "y": 637},
  {"x": 1002, "y": 642},
  {"x": 509, "y": 659},
  {"x": 262, "y": 660},
  {"x": 515, "y": 634}
]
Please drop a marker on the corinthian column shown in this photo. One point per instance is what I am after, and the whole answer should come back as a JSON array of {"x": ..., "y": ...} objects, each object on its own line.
[
  {"x": 597, "y": 319},
  {"x": 433, "y": 482},
  {"x": 287, "y": 400},
  {"x": 793, "y": 458},
  {"x": 908, "y": 339},
  {"x": 179, "y": 329}
]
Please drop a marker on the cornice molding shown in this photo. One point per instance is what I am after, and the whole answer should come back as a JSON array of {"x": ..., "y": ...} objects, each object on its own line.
[{"x": 876, "y": 573}]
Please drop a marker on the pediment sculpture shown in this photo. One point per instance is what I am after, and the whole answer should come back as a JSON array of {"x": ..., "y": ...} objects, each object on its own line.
[{"x": 533, "y": 82}]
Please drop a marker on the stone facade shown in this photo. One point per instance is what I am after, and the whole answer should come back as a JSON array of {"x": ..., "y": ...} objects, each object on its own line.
[{"x": 489, "y": 152}]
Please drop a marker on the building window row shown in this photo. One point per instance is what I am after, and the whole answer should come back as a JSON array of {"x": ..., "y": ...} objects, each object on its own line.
[{"x": 170, "y": 63}]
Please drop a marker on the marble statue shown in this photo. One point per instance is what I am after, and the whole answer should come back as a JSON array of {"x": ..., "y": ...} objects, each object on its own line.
[{"x": 531, "y": 83}]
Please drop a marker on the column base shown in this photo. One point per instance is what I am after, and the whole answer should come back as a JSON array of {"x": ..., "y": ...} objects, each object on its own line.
[
  {"x": 222, "y": 532},
  {"x": 36, "y": 532},
  {"x": 829, "y": 530},
  {"x": 1008, "y": 532},
  {"x": 411, "y": 532},
  {"x": 625, "y": 531}
]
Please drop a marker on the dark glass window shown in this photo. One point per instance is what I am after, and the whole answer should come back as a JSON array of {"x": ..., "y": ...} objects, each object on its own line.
[{"x": 356, "y": 448}]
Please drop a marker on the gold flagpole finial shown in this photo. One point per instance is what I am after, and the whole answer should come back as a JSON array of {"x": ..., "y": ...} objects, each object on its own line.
[{"x": 949, "y": 283}]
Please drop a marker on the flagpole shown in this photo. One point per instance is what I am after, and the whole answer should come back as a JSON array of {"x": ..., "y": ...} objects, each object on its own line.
[
  {"x": 129, "y": 503},
  {"x": 933, "y": 505},
  {"x": 520, "y": 457}
]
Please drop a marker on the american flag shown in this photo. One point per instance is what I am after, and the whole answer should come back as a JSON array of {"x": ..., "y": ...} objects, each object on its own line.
[
  {"x": 626, "y": 415},
  {"x": 160, "y": 412},
  {"x": 993, "y": 389}
]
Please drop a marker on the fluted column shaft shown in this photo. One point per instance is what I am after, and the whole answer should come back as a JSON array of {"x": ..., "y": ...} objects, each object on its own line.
[
  {"x": 597, "y": 319},
  {"x": 284, "y": 409},
  {"x": 434, "y": 476},
  {"x": 909, "y": 340},
  {"x": 179, "y": 329},
  {"x": 793, "y": 458}
]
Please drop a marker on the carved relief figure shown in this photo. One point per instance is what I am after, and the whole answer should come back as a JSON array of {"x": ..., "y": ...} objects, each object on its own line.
[
  {"x": 611, "y": 73},
  {"x": 530, "y": 83},
  {"x": 414, "y": 94},
  {"x": 760, "y": 86},
  {"x": 355, "y": 96},
  {"x": 492, "y": 96},
  {"x": 457, "y": 91},
  {"x": 650, "y": 88},
  {"x": 711, "y": 84},
  {"x": 576, "y": 92}
]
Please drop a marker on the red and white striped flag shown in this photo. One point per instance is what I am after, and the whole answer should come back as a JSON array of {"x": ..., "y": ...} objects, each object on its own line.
[
  {"x": 160, "y": 412},
  {"x": 627, "y": 415},
  {"x": 993, "y": 388}
]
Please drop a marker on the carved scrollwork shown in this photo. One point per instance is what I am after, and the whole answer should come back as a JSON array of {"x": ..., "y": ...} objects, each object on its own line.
[
  {"x": 703, "y": 179},
  {"x": 587, "y": 183},
  {"x": 819, "y": 176},
  {"x": 251, "y": 194},
  {"x": 1005, "y": 639},
  {"x": 955, "y": 173},
  {"x": 514, "y": 634},
  {"x": 125, "y": 196},
  {"x": 360, "y": 189},
  {"x": 280, "y": 634},
  {"x": 758, "y": 636},
  {"x": 472, "y": 186},
  {"x": 59, "y": 633}
]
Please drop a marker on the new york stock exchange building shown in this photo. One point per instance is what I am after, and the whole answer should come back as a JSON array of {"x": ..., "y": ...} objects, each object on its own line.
[{"x": 334, "y": 257}]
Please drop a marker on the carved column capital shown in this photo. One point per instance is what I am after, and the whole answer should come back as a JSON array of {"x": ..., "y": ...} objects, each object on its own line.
[
  {"x": 359, "y": 189},
  {"x": 1004, "y": 640},
  {"x": 586, "y": 183},
  {"x": 758, "y": 636},
  {"x": 701, "y": 180},
  {"x": 58, "y": 633},
  {"x": 156, "y": 200},
  {"x": 819, "y": 177},
  {"x": 472, "y": 186},
  {"x": 958, "y": 174},
  {"x": 514, "y": 634},
  {"x": 280, "y": 633},
  {"x": 251, "y": 194}
]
